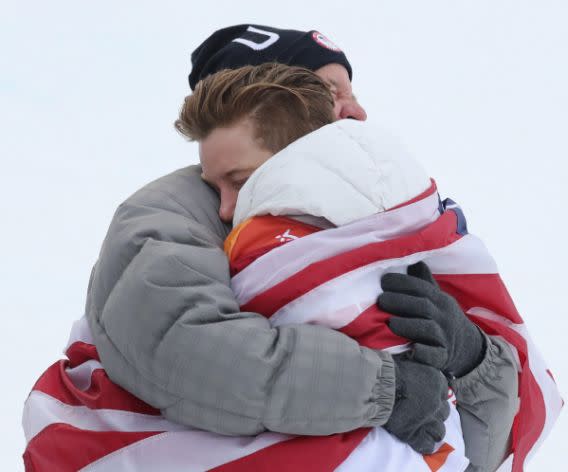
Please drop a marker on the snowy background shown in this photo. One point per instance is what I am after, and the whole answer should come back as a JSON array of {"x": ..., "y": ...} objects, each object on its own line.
[{"x": 89, "y": 91}]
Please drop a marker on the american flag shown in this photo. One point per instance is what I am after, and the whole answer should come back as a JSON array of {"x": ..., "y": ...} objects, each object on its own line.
[{"x": 75, "y": 418}]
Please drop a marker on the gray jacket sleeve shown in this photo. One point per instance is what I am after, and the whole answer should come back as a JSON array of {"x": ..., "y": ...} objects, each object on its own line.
[
  {"x": 168, "y": 329},
  {"x": 487, "y": 401}
]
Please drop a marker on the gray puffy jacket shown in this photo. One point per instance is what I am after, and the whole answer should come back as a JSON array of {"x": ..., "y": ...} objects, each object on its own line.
[{"x": 168, "y": 329}]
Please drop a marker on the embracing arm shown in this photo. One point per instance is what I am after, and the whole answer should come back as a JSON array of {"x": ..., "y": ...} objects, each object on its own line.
[
  {"x": 487, "y": 400},
  {"x": 487, "y": 385},
  {"x": 168, "y": 329}
]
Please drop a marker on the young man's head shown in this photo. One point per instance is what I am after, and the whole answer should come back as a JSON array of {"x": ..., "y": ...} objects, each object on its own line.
[
  {"x": 242, "y": 117},
  {"x": 240, "y": 45}
]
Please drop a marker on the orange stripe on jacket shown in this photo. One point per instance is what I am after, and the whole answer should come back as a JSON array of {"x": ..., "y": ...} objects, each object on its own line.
[{"x": 259, "y": 235}]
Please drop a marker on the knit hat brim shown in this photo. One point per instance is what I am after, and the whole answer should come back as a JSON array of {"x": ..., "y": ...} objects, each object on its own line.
[{"x": 241, "y": 45}]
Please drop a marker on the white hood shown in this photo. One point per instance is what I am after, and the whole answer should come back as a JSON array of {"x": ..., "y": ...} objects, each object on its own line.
[{"x": 342, "y": 172}]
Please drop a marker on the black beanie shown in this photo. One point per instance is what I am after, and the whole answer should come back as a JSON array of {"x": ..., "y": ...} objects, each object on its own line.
[{"x": 241, "y": 45}]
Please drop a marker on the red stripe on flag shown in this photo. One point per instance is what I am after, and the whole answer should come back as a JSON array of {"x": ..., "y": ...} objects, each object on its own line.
[
  {"x": 102, "y": 393},
  {"x": 301, "y": 454},
  {"x": 530, "y": 420},
  {"x": 80, "y": 352},
  {"x": 438, "y": 234},
  {"x": 429, "y": 191},
  {"x": 480, "y": 290},
  {"x": 240, "y": 263},
  {"x": 488, "y": 291},
  {"x": 370, "y": 329},
  {"x": 64, "y": 448}
]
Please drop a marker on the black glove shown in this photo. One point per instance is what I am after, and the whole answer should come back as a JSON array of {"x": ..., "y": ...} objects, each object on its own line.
[
  {"x": 421, "y": 405},
  {"x": 444, "y": 337}
]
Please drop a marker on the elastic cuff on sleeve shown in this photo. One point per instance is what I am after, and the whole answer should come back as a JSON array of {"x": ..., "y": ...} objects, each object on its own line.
[
  {"x": 485, "y": 372},
  {"x": 383, "y": 394}
]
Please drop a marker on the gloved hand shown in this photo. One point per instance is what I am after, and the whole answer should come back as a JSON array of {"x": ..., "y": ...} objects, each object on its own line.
[
  {"x": 421, "y": 405},
  {"x": 444, "y": 337}
]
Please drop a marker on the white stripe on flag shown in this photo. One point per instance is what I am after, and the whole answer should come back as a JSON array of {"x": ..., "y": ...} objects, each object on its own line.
[
  {"x": 339, "y": 301},
  {"x": 468, "y": 255},
  {"x": 268, "y": 270},
  {"x": 380, "y": 451},
  {"x": 80, "y": 331},
  {"x": 190, "y": 451},
  {"x": 41, "y": 410},
  {"x": 81, "y": 374}
]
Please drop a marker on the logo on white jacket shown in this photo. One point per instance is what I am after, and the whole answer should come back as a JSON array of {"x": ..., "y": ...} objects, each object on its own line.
[{"x": 286, "y": 237}]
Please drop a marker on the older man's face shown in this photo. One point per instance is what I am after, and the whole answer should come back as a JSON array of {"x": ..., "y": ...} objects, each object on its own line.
[{"x": 346, "y": 105}]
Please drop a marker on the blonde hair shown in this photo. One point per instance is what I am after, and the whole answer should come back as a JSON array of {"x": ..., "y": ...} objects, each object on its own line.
[{"x": 283, "y": 103}]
